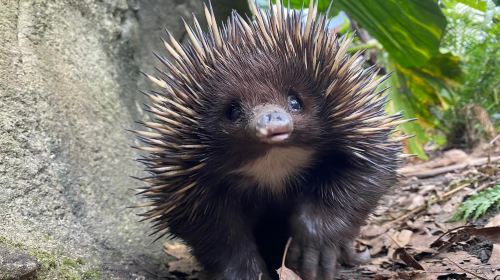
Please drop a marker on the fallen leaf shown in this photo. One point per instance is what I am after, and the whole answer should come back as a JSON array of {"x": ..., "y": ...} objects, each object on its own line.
[
  {"x": 421, "y": 240},
  {"x": 184, "y": 266},
  {"x": 418, "y": 225},
  {"x": 185, "y": 263},
  {"x": 493, "y": 222},
  {"x": 377, "y": 244},
  {"x": 372, "y": 231},
  {"x": 459, "y": 262},
  {"x": 435, "y": 209},
  {"x": 416, "y": 202},
  {"x": 287, "y": 274},
  {"x": 495, "y": 252},
  {"x": 450, "y": 157},
  {"x": 403, "y": 237},
  {"x": 407, "y": 258},
  {"x": 490, "y": 233},
  {"x": 495, "y": 255},
  {"x": 423, "y": 190},
  {"x": 176, "y": 249},
  {"x": 379, "y": 260}
]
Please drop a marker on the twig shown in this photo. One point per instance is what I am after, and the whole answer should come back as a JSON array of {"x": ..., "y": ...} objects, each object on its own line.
[
  {"x": 494, "y": 140},
  {"x": 480, "y": 277},
  {"x": 430, "y": 202},
  {"x": 288, "y": 242},
  {"x": 440, "y": 170},
  {"x": 454, "y": 191},
  {"x": 448, "y": 231},
  {"x": 393, "y": 240}
]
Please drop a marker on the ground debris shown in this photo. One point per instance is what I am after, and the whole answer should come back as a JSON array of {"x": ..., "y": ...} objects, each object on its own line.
[
  {"x": 412, "y": 236},
  {"x": 184, "y": 266}
]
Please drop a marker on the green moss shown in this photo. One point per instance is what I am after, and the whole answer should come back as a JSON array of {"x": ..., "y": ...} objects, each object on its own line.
[
  {"x": 55, "y": 265},
  {"x": 70, "y": 263},
  {"x": 46, "y": 237},
  {"x": 47, "y": 260},
  {"x": 10, "y": 243},
  {"x": 92, "y": 274},
  {"x": 61, "y": 267}
]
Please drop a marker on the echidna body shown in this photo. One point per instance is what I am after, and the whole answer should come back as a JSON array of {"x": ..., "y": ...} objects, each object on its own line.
[{"x": 262, "y": 131}]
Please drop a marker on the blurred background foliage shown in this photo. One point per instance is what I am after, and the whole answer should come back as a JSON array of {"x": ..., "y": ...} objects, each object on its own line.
[{"x": 443, "y": 57}]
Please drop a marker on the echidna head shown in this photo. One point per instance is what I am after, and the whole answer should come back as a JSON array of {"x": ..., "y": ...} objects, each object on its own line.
[{"x": 262, "y": 102}]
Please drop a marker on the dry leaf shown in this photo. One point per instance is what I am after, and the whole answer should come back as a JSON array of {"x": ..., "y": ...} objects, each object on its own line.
[
  {"x": 494, "y": 222},
  {"x": 185, "y": 266},
  {"x": 380, "y": 260},
  {"x": 421, "y": 240},
  {"x": 423, "y": 190},
  {"x": 378, "y": 244},
  {"x": 402, "y": 238},
  {"x": 407, "y": 258},
  {"x": 495, "y": 255},
  {"x": 435, "y": 209},
  {"x": 490, "y": 233},
  {"x": 456, "y": 262},
  {"x": 417, "y": 225},
  {"x": 372, "y": 231},
  {"x": 176, "y": 249},
  {"x": 287, "y": 274},
  {"x": 184, "y": 263},
  {"x": 416, "y": 202}
]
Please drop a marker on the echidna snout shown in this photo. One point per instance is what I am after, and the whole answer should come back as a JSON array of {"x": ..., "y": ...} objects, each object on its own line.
[{"x": 272, "y": 124}]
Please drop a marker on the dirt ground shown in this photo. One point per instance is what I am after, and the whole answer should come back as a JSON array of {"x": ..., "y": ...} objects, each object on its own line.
[{"x": 411, "y": 235}]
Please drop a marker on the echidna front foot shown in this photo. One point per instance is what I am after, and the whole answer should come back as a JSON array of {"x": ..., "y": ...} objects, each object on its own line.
[
  {"x": 321, "y": 240},
  {"x": 312, "y": 261},
  {"x": 312, "y": 254}
]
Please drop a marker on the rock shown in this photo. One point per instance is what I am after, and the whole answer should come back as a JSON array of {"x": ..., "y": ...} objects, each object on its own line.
[
  {"x": 70, "y": 74},
  {"x": 16, "y": 265}
]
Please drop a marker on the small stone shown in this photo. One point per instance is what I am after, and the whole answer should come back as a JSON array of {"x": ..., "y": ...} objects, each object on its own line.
[{"x": 16, "y": 265}]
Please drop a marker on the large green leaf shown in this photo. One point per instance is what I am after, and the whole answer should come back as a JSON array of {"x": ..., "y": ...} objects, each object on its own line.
[
  {"x": 424, "y": 93},
  {"x": 409, "y": 30}
]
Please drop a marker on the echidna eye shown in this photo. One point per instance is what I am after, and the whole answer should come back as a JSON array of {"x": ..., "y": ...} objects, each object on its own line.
[
  {"x": 233, "y": 112},
  {"x": 294, "y": 101}
]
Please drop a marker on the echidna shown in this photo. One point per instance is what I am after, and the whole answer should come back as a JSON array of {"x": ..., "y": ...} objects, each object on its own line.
[{"x": 263, "y": 130}]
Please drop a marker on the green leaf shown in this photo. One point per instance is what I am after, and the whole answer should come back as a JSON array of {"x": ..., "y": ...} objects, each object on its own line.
[
  {"x": 410, "y": 31},
  {"x": 423, "y": 93},
  {"x": 401, "y": 100},
  {"x": 477, "y": 205}
]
